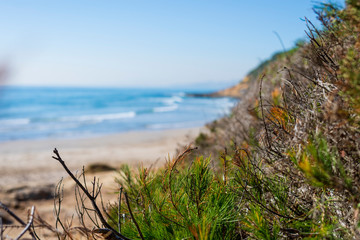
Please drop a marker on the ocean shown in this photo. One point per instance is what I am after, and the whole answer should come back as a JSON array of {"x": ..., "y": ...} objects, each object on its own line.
[{"x": 54, "y": 112}]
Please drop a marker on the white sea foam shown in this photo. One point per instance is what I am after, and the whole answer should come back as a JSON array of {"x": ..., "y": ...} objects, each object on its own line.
[
  {"x": 172, "y": 100},
  {"x": 99, "y": 117},
  {"x": 165, "y": 109}
]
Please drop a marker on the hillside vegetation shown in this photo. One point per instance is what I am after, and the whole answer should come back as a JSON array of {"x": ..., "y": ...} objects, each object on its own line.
[{"x": 284, "y": 164}]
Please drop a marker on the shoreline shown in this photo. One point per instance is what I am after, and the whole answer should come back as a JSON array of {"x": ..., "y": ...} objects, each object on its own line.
[{"x": 24, "y": 162}]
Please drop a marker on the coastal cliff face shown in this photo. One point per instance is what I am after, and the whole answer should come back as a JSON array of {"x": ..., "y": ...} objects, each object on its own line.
[{"x": 235, "y": 91}]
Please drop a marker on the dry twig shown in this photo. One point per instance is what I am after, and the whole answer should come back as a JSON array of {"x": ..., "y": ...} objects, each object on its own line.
[
  {"x": 27, "y": 227},
  {"x": 3, "y": 206},
  {"x": 92, "y": 197}
]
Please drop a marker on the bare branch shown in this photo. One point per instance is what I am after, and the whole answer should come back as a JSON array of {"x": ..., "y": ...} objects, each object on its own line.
[
  {"x": 27, "y": 227},
  {"x": 132, "y": 216},
  {"x": 119, "y": 209},
  {"x": 3, "y": 206},
  {"x": 91, "y": 198}
]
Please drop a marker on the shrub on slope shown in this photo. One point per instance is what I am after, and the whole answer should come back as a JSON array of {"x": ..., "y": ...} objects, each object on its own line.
[{"x": 290, "y": 168}]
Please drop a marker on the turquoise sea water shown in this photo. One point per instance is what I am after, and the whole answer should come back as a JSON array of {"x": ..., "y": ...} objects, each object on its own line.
[{"x": 47, "y": 112}]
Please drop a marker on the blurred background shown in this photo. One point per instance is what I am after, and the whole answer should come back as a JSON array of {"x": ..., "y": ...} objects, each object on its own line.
[{"x": 72, "y": 69}]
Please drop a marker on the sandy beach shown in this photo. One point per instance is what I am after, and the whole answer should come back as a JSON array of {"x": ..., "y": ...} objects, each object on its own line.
[
  {"x": 27, "y": 166},
  {"x": 30, "y": 161}
]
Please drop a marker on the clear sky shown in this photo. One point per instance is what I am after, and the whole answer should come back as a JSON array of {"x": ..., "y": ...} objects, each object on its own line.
[{"x": 142, "y": 43}]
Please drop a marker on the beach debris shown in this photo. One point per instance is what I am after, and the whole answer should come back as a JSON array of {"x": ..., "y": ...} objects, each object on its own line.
[
  {"x": 26, "y": 193},
  {"x": 99, "y": 167}
]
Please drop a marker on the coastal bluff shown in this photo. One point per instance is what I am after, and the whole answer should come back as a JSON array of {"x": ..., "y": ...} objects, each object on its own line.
[{"x": 235, "y": 91}]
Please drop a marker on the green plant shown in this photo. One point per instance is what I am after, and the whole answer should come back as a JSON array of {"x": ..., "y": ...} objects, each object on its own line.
[
  {"x": 180, "y": 202},
  {"x": 295, "y": 172}
]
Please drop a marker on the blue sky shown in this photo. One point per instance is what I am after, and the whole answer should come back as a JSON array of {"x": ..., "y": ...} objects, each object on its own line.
[{"x": 144, "y": 43}]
